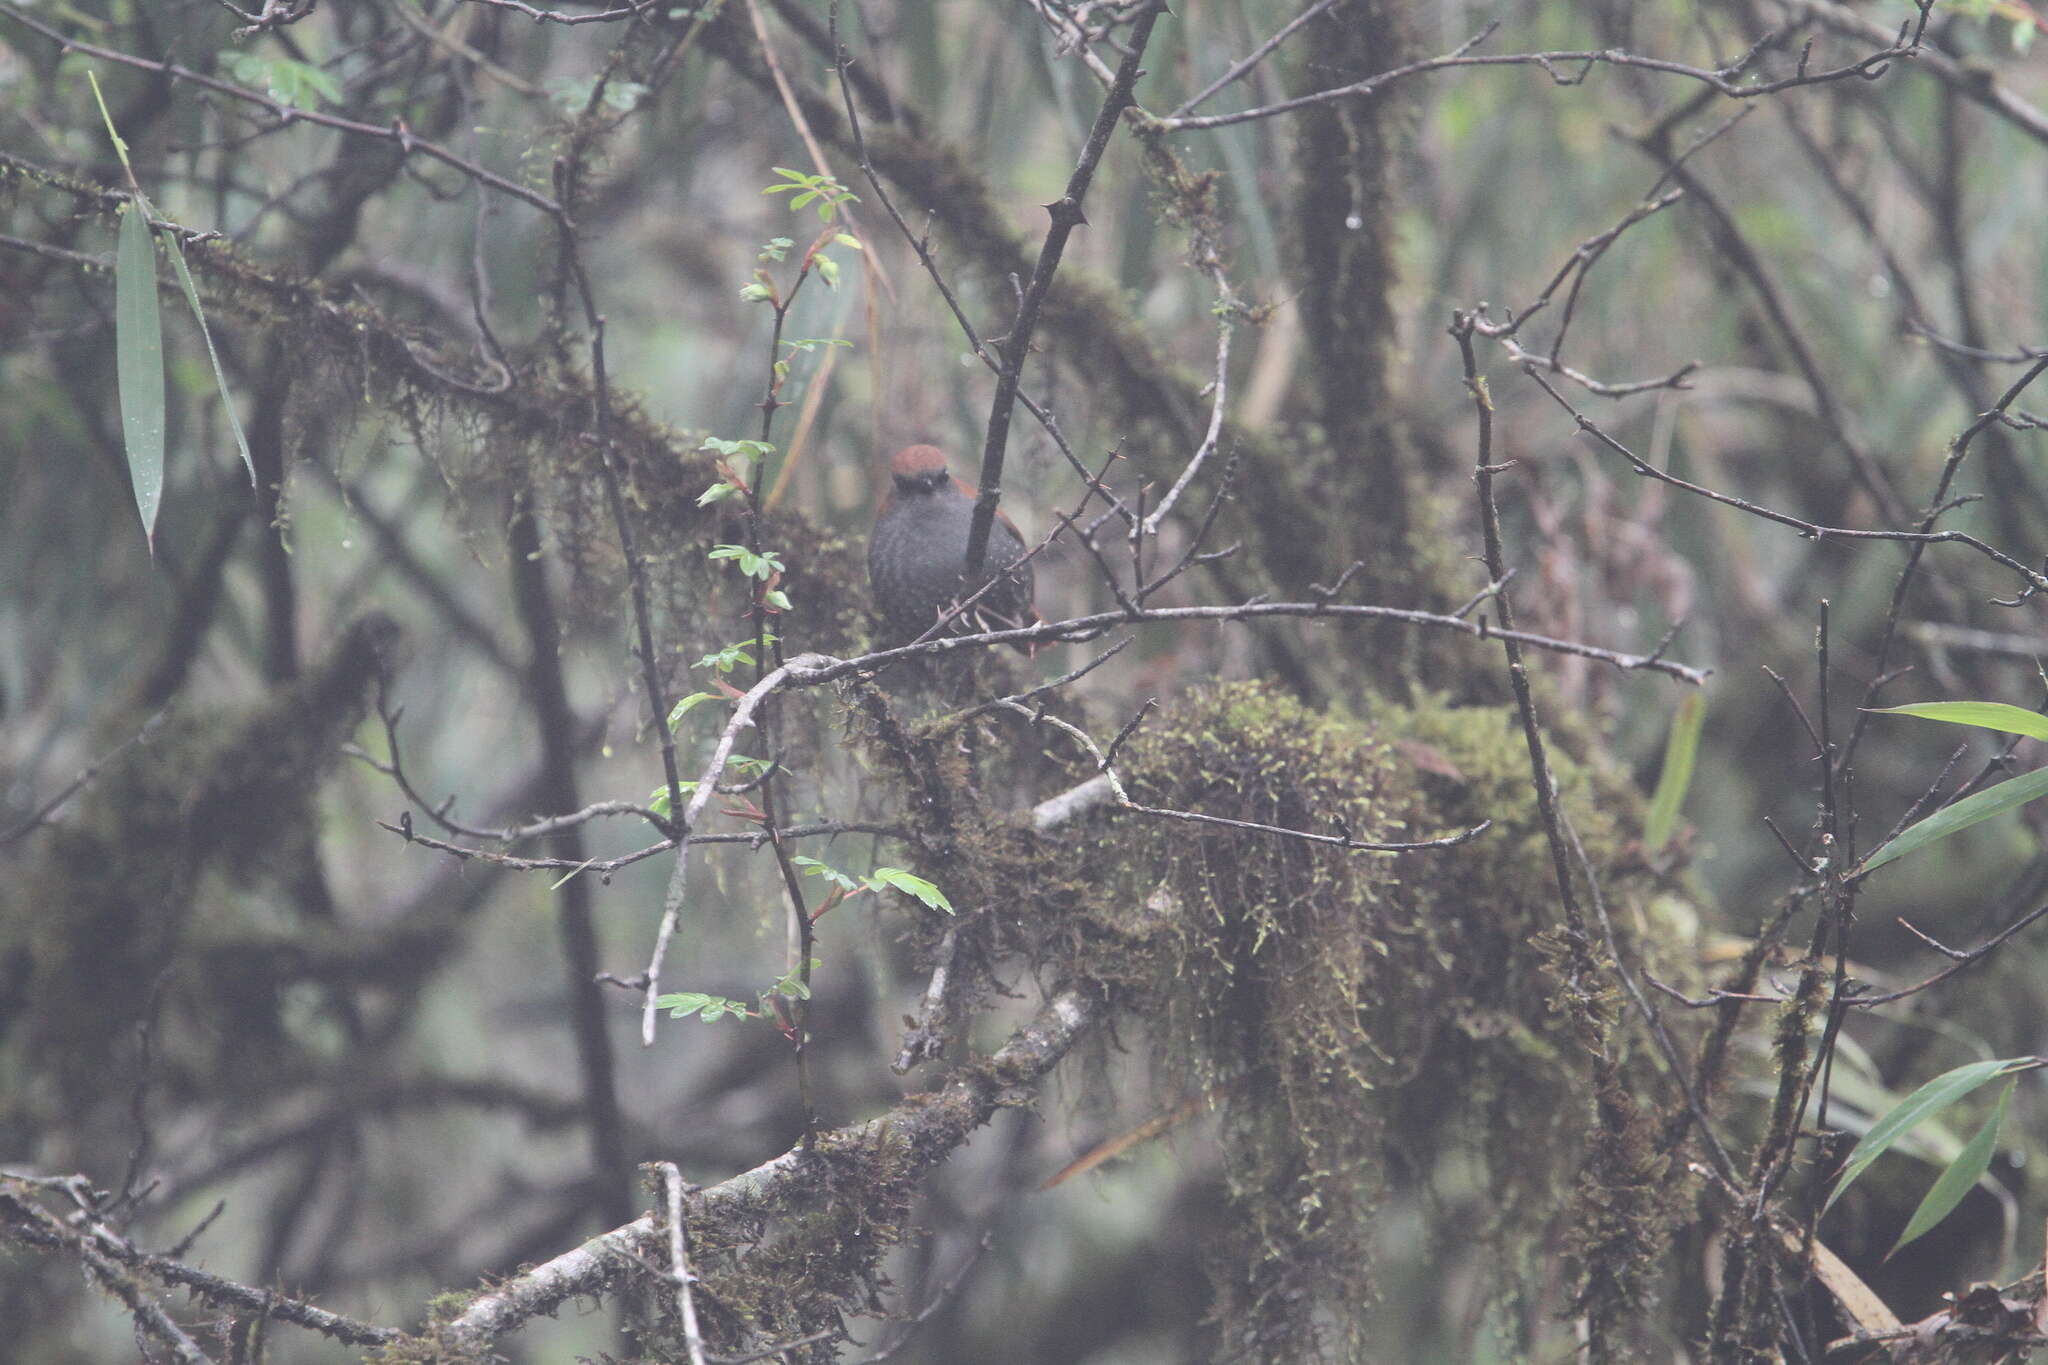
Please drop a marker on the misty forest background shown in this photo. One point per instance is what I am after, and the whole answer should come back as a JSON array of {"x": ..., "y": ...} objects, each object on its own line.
[{"x": 1694, "y": 342}]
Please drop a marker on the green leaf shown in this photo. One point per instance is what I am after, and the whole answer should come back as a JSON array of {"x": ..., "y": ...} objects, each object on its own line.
[
  {"x": 718, "y": 492},
  {"x": 569, "y": 93},
  {"x": 299, "y": 84},
  {"x": 1985, "y": 804},
  {"x": 728, "y": 658},
  {"x": 1924, "y": 1103},
  {"x": 731, "y": 448},
  {"x": 624, "y": 96},
  {"x": 1681, "y": 747},
  {"x": 657, "y": 800},
  {"x": 1962, "y": 1174},
  {"x": 913, "y": 885},
  {"x": 711, "y": 1008},
  {"x": 220, "y": 381},
  {"x": 1985, "y": 715},
  {"x": 685, "y": 706},
  {"x": 139, "y": 361},
  {"x": 813, "y": 868},
  {"x": 790, "y": 984},
  {"x": 762, "y": 565}
]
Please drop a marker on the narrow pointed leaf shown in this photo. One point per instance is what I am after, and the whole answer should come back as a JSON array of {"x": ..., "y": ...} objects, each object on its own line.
[
  {"x": 1929, "y": 1100},
  {"x": 220, "y": 380},
  {"x": 1985, "y": 715},
  {"x": 1956, "y": 1181},
  {"x": 139, "y": 362},
  {"x": 1985, "y": 804},
  {"x": 1681, "y": 747}
]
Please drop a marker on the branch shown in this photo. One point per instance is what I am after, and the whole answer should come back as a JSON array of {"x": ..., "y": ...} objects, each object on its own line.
[
  {"x": 913, "y": 1138},
  {"x": 1723, "y": 80},
  {"x": 2034, "y": 579},
  {"x": 802, "y": 668},
  {"x": 1066, "y": 216},
  {"x": 396, "y": 133}
]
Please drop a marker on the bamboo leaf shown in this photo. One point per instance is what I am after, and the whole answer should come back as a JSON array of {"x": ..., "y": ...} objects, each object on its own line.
[
  {"x": 1985, "y": 804},
  {"x": 1961, "y": 1175},
  {"x": 139, "y": 362},
  {"x": 1985, "y": 715},
  {"x": 220, "y": 380},
  {"x": 1924, "y": 1103},
  {"x": 1681, "y": 747}
]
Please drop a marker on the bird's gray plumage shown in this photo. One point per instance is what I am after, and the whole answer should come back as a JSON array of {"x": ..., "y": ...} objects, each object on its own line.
[{"x": 918, "y": 550}]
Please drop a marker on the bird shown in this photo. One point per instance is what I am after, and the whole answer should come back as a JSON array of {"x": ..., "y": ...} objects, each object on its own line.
[{"x": 918, "y": 554}]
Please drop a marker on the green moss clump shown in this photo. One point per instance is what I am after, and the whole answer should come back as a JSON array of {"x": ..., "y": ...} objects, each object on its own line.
[{"x": 1359, "y": 1018}]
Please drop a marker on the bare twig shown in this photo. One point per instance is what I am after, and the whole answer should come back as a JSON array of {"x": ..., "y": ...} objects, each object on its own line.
[
  {"x": 679, "y": 1258},
  {"x": 396, "y": 133},
  {"x": 1258, "y": 54},
  {"x": 2033, "y": 578},
  {"x": 79, "y": 783},
  {"x": 1089, "y": 627},
  {"x": 921, "y": 246},
  {"x": 1016, "y": 347},
  {"x": 1962, "y": 959},
  {"x": 1725, "y": 80}
]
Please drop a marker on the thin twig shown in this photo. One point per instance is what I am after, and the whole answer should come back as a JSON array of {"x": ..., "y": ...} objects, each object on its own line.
[
  {"x": 1016, "y": 347},
  {"x": 801, "y": 669},
  {"x": 395, "y": 133},
  {"x": 82, "y": 781},
  {"x": 1258, "y": 54},
  {"x": 1724, "y": 80},
  {"x": 2033, "y": 578}
]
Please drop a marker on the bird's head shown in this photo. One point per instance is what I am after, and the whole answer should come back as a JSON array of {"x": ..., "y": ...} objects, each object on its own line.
[{"x": 919, "y": 469}]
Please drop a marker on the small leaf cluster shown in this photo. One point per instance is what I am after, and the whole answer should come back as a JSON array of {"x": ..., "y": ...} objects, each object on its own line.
[
  {"x": 736, "y": 462},
  {"x": 882, "y": 878},
  {"x": 825, "y": 194},
  {"x": 728, "y": 657},
  {"x": 763, "y": 565},
  {"x": 712, "y": 1008},
  {"x": 658, "y": 802},
  {"x": 804, "y": 190},
  {"x": 572, "y": 93}
]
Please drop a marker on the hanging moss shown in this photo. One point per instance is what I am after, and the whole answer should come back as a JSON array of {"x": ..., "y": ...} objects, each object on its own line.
[{"x": 1357, "y": 1018}]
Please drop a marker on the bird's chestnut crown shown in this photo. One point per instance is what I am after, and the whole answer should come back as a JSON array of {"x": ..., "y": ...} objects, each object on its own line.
[{"x": 919, "y": 469}]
